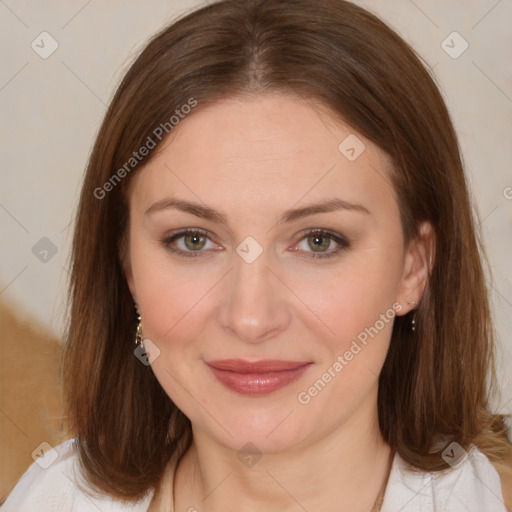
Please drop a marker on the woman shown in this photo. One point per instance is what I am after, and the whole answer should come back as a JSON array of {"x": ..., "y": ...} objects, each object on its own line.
[{"x": 276, "y": 212}]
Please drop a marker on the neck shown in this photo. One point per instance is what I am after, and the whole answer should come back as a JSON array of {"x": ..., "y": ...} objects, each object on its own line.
[{"x": 343, "y": 471}]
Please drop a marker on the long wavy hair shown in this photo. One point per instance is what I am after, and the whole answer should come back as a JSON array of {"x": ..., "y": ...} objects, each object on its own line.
[{"x": 436, "y": 384}]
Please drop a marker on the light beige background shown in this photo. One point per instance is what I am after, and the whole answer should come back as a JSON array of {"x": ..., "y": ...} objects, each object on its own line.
[{"x": 51, "y": 109}]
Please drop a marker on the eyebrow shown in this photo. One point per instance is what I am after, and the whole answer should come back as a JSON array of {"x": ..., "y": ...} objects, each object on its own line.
[{"x": 291, "y": 215}]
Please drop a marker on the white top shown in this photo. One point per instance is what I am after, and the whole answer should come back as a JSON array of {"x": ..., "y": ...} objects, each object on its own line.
[{"x": 473, "y": 485}]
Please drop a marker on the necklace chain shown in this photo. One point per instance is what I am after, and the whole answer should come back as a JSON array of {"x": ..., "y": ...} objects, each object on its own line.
[
  {"x": 380, "y": 498},
  {"x": 376, "y": 507}
]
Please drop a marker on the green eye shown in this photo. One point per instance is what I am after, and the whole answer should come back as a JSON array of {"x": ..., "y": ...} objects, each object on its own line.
[
  {"x": 194, "y": 241},
  {"x": 319, "y": 243},
  {"x": 190, "y": 242}
]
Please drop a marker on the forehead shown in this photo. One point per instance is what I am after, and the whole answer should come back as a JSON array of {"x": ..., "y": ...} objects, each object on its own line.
[{"x": 265, "y": 153}]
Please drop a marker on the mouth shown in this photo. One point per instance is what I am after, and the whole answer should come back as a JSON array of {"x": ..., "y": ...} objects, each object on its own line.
[{"x": 256, "y": 378}]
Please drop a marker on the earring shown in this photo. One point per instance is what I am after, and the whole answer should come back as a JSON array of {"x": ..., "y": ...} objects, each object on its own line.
[
  {"x": 413, "y": 321},
  {"x": 138, "y": 332}
]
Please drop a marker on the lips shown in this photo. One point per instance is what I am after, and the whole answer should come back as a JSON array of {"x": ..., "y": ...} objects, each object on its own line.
[{"x": 257, "y": 377}]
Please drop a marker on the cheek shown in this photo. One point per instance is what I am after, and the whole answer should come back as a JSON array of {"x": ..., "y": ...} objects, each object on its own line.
[
  {"x": 169, "y": 300},
  {"x": 352, "y": 297},
  {"x": 173, "y": 317},
  {"x": 351, "y": 342}
]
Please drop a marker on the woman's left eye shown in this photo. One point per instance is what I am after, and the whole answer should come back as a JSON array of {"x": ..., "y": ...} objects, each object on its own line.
[{"x": 322, "y": 244}]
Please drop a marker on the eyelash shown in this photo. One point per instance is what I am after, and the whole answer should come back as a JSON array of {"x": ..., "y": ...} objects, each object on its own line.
[{"x": 341, "y": 241}]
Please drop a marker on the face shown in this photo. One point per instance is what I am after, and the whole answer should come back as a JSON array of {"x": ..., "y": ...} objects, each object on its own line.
[{"x": 267, "y": 262}]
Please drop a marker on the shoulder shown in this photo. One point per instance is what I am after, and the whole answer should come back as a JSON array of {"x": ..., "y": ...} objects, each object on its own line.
[
  {"x": 54, "y": 482},
  {"x": 472, "y": 484},
  {"x": 505, "y": 473}
]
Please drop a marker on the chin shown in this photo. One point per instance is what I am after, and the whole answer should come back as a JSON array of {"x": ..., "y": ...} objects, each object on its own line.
[{"x": 271, "y": 431}]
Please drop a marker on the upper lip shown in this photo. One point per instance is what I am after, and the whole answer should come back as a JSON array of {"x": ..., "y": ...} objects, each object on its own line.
[{"x": 262, "y": 366}]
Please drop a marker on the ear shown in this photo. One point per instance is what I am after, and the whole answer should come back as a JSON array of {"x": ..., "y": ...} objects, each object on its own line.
[{"x": 418, "y": 265}]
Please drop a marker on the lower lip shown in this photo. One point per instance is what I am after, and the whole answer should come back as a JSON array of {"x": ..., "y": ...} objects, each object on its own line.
[{"x": 258, "y": 383}]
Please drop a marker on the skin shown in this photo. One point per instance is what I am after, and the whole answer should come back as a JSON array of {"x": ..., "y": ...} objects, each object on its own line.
[{"x": 251, "y": 159}]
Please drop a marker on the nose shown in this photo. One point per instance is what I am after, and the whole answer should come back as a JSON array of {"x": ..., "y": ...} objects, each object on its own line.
[{"x": 256, "y": 306}]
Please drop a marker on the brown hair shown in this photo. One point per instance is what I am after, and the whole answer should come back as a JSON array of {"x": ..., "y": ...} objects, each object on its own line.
[{"x": 433, "y": 386}]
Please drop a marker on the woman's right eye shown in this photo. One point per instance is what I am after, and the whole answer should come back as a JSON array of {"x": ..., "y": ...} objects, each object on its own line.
[{"x": 188, "y": 243}]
